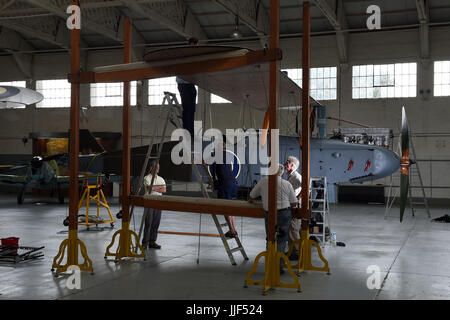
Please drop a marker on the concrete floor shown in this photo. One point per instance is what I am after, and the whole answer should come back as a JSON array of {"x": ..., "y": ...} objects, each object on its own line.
[{"x": 413, "y": 258}]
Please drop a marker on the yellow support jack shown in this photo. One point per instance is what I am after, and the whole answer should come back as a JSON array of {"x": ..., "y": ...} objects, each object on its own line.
[
  {"x": 100, "y": 200},
  {"x": 125, "y": 248},
  {"x": 304, "y": 262},
  {"x": 72, "y": 244},
  {"x": 272, "y": 270}
]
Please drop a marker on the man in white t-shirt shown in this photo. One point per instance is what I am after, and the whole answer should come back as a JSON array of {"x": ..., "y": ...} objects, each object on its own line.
[
  {"x": 153, "y": 216},
  {"x": 285, "y": 201}
]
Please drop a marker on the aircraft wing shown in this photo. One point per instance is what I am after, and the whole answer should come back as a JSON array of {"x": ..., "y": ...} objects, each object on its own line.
[{"x": 248, "y": 85}]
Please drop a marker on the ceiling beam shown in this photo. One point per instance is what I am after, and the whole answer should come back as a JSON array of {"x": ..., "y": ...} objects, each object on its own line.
[
  {"x": 329, "y": 13},
  {"x": 424, "y": 29},
  {"x": 13, "y": 42},
  {"x": 174, "y": 15},
  {"x": 256, "y": 19},
  {"x": 58, "y": 37},
  {"x": 38, "y": 34},
  {"x": 336, "y": 16},
  {"x": 89, "y": 24}
]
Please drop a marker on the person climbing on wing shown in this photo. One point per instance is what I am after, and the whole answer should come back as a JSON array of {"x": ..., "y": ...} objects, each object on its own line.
[
  {"x": 188, "y": 94},
  {"x": 226, "y": 185}
]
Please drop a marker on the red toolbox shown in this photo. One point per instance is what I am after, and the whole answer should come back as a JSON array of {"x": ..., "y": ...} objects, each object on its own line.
[{"x": 11, "y": 241}]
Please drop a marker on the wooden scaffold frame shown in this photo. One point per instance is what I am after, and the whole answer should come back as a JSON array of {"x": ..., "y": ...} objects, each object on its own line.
[{"x": 126, "y": 248}]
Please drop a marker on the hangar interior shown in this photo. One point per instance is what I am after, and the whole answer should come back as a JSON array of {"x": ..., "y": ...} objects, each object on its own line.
[{"x": 409, "y": 54}]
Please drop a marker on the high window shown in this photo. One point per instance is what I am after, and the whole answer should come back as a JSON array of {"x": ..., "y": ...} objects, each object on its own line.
[
  {"x": 56, "y": 93},
  {"x": 395, "y": 80},
  {"x": 157, "y": 87},
  {"x": 22, "y": 84},
  {"x": 323, "y": 81},
  {"x": 441, "y": 78},
  {"x": 218, "y": 99},
  {"x": 111, "y": 94}
]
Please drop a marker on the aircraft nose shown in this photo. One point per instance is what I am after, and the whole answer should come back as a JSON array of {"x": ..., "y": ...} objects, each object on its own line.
[{"x": 386, "y": 162}]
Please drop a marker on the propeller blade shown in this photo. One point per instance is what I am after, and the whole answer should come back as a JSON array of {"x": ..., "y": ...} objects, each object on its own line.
[
  {"x": 404, "y": 184},
  {"x": 404, "y": 164},
  {"x": 56, "y": 156},
  {"x": 17, "y": 167},
  {"x": 265, "y": 129},
  {"x": 405, "y": 133}
]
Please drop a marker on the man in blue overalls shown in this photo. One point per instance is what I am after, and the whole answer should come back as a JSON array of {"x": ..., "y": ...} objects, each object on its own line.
[
  {"x": 226, "y": 185},
  {"x": 188, "y": 94}
]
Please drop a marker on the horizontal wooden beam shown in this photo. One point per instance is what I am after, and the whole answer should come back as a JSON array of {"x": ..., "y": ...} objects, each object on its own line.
[
  {"x": 214, "y": 65},
  {"x": 199, "y": 205}
]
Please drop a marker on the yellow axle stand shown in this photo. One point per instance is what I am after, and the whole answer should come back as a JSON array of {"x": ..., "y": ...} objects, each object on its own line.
[
  {"x": 72, "y": 244},
  {"x": 125, "y": 248},
  {"x": 304, "y": 262},
  {"x": 272, "y": 270},
  {"x": 100, "y": 199}
]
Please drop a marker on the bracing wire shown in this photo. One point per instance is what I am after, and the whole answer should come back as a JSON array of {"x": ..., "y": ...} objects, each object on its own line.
[
  {"x": 265, "y": 87},
  {"x": 199, "y": 237}
]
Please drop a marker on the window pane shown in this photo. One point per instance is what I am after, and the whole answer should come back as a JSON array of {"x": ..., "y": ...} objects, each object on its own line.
[
  {"x": 111, "y": 94},
  {"x": 323, "y": 81},
  {"x": 385, "y": 76},
  {"x": 217, "y": 99},
  {"x": 55, "y": 93},
  {"x": 441, "y": 78},
  {"x": 22, "y": 84},
  {"x": 362, "y": 93},
  {"x": 157, "y": 87},
  {"x": 445, "y": 66}
]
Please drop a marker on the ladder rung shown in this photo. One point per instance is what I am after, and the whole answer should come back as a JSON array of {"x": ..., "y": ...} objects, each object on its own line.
[
  {"x": 235, "y": 249},
  {"x": 224, "y": 224}
]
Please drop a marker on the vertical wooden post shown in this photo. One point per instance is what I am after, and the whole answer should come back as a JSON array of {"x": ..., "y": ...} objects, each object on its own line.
[
  {"x": 74, "y": 128},
  {"x": 306, "y": 114},
  {"x": 126, "y": 127},
  {"x": 272, "y": 256},
  {"x": 305, "y": 253},
  {"x": 73, "y": 245},
  {"x": 126, "y": 247},
  {"x": 273, "y": 116}
]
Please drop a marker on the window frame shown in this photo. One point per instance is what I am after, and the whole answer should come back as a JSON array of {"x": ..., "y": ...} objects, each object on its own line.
[
  {"x": 116, "y": 86},
  {"x": 173, "y": 84},
  {"x": 442, "y": 85},
  {"x": 399, "y": 88},
  {"x": 329, "y": 74},
  {"x": 67, "y": 98}
]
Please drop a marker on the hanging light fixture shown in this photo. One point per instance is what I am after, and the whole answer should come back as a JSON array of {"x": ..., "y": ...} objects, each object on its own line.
[{"x": 236, "y": 33}]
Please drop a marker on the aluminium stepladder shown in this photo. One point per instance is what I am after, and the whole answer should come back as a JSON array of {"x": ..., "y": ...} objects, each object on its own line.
[
  {"x": 320, "y": 206},
  {"x": 173, "y": 115},
  {"x": 414, "y": 172}
]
